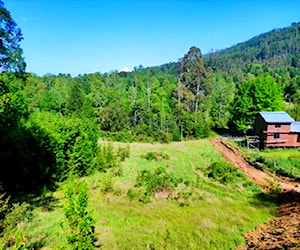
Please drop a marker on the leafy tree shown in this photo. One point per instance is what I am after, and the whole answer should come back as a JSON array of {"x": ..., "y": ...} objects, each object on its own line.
[
  {"x": 10, "y": 37},
  {"x": 261, "y": 93},
  {"x": 222, "y": 98}
]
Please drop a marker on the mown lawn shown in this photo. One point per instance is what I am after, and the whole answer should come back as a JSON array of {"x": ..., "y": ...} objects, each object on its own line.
[{"x": 205, "y": 214}]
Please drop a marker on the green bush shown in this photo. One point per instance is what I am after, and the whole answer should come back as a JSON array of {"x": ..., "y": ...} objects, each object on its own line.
[
  {"x": 154, "y": 180},
  {"x": 139, "y": 193},
  {"x": 123, "y": 152},
  {"x": 106, "y": 184},
  {"x": 72, "y": 141},
  {"x": 10, "y": 216},
  {"x": 105, "y": 158},
  {"x": 223, "y": 172},
  {"x": 157, "y": 156},
  {"x": 186, "y": 195},
  {"x": 80, "y": 233}
]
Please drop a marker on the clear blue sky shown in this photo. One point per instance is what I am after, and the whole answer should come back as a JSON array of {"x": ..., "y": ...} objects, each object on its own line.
[{"x": 85, "y": 36}]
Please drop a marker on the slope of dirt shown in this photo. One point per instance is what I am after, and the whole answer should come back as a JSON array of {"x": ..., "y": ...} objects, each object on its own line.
[{"x": 282, "y": 232}]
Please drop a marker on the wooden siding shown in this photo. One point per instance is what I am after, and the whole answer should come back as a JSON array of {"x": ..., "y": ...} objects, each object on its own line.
[{"x": 266, "y": 132}]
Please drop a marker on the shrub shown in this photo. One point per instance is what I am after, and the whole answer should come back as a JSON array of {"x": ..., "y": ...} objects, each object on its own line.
[
  {"x": 157, "y": 156},
  {"x": 275, "y": 188},
  {"x": 72, "y": 141},
  {"x": 80, "y": 221},
  {"x": 123, "y": 152},
  {"x": 106, "y": 184},
  {"x": 105, "y": 158},
  {"x": 223, "y": 172},
  {"x": 152, "y": 181},
  {"x": 139, "y": 194},
  {"x": 10, "y": 217},
  {"x": 186, "y": 195}
]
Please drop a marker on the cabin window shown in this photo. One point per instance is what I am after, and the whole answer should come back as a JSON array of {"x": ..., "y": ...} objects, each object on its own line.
[
  {"x": 276, "y": 136},
  {"x": 298, "y": 138},
  {"x": 277, "y": 125}
]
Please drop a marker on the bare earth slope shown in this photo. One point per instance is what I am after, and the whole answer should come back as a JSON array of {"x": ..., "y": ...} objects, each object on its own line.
[{"x": 283, "y": 232}]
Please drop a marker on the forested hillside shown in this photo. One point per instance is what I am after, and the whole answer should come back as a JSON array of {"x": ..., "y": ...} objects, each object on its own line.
[{"x": 277, "y": 48}]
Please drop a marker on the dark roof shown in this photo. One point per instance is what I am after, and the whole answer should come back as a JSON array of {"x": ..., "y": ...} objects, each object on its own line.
[
  {"x": 295, "y": 127},
  {"x": 277, "y": 117}
]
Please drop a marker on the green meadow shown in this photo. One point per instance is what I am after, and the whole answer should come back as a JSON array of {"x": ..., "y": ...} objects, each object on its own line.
[{"x": 202, "y": 211}]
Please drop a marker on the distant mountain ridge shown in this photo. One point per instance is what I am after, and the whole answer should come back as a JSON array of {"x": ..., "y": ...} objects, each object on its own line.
[{"x": 276, "y": 48}]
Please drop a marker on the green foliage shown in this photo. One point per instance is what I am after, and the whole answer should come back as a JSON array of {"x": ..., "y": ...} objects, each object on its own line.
[
  {"x": 154, "y": 180},
  {"x": 105, "y": 158},
  {"x": 10, "y": 216},
  {"x": 157, "y": 156},
  {"x": 72, "y": 141},
  {"x": 121, "y": 136},
  {"x": 10, "y": 51},
  {"x": 123, "y": 152},
  {"x": 186, "y": 195},
  {"x": 276, "y": 48},
  {"x": 80, "y": 221},
  {"x": 261, "y": 93},
  {"x": 223, "y": 172},
  {"x": 106, "y": 184},
  {"x": 76, "y": 99}
]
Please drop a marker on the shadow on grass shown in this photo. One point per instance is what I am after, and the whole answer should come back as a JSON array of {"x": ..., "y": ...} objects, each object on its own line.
[
  {"x": 285, "y": 201},
  {"x": 45, "y": 200}
]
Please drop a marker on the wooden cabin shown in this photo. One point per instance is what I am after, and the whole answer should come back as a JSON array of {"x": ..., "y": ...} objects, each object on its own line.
[{"x": 277, "y": 130}]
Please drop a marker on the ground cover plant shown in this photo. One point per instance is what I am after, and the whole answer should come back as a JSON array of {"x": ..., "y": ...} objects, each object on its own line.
[{"x": 187, "y": 208}]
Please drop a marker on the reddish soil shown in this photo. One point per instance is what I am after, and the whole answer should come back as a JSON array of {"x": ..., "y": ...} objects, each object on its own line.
[{"x": 282, "y": 232}]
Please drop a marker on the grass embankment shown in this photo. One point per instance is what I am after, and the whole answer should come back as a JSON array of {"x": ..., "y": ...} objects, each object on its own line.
[
  {"x": 285, "y": 162},
  {"x": 200, "y": 212}
]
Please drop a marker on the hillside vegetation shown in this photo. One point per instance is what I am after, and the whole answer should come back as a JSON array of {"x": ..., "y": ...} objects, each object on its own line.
[
  {"x": 191, "y": 205},
  {"x": 277, "y": 48}
]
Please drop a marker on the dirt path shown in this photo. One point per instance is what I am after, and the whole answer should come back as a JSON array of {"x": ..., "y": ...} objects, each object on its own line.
[
  {"x": 283, "y": 232},
  {"x": 261, "y": 178}
]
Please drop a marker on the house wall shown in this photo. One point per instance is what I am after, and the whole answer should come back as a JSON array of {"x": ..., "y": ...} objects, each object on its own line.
[
  {"x": 259, "y": 129},
  {"x": 285, "y": 128},
  {"x": 266, "y": 132},
  {"x": 287, "y": 139},
  {"x": 295, "y": 143}
]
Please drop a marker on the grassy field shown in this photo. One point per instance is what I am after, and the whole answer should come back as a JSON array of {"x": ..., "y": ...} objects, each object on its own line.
[{"x": 198, "y": 213}]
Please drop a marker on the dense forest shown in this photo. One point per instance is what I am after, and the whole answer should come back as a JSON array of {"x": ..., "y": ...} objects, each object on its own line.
[{"x": 49, "y": 125}]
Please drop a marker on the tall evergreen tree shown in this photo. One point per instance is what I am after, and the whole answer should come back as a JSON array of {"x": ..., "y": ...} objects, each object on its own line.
[
  {"x": 10, "y": 37},
  {"x": 195, "y": 76}
]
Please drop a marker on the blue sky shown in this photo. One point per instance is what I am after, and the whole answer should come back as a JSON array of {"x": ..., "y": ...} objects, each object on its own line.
[{"x": 85, "y": 36}]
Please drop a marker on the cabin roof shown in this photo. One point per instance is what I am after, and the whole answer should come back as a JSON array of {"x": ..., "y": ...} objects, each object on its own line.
[
  {"x": 277, "y": 117},
  {"x": 295, "y": 127}
]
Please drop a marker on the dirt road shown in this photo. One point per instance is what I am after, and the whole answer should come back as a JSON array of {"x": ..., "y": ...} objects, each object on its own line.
[
  {"x": 283, "y": 232},
  {"x": 261, "y": 178}
]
